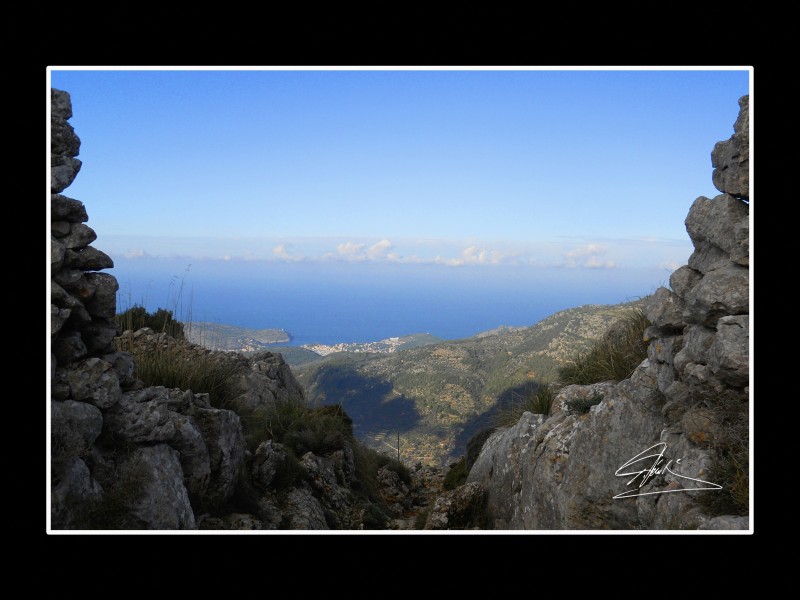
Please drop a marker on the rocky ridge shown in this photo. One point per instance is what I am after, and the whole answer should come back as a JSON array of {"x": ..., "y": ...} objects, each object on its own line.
[{"x": 688, "y": 399}]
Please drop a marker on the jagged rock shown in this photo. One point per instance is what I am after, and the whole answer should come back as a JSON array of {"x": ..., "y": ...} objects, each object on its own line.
[
  {"x": 73, "y": 492},
  {"x": 58, "y": 316},
  {"x": 699, "y": 426},
  {"x": 81, "y": 418},
  {"x": 141, "y": 416},
  {"x": 683, "y": 280},
  {"x": 88, "y": 259},
  {"x": 664, "y": 309},
  {"x": 69, "y": 347},
  {"x": 124, "y": 365},
  {"x": 60, "y": 105},
  {"x": 678, "y": 399},
  {"x": 194, "y": 457},
  {"x": 343, "y": 463},
  {"x": 322, "y": 478},
  {"x": 475, "y": 445},
  {"x": 59, "y": 228},
  {"x": 63, "y": 171},
  {"x": 661, "y": 353},
  {"x": 80, "y": 236},
  {"x": 458, "y": 509},
  {"x": 60, "y": 297},
  {"x": 574, "y": 395},
  {"x": 222, "y": 431},
  {"x": 67, "y": 277},
  {"x": 63, "y": 140},
  {"x": 729, "y": 354},
  {"x": 99, "y": 336},
  {"x": 63, "y": 208},
  {"x": 104, "y": 300},
  {"x": 723, "y": 291},
  {"x": 268, "y": 460},
  {"x": 163, "y": 501},
  {"x": 93, "y": 380},
  {"x": 57, "y": 251},
  {"x": 393, "y": 490},
  {"x": 731, "y": 159},
  {"x": 696, "y": 342},
  {"x": 303, "y": 511},
  {"x": 719, "y": 230}
]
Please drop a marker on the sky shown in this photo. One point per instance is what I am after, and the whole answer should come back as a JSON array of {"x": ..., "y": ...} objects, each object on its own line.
[{"x": 557, "y": 171}]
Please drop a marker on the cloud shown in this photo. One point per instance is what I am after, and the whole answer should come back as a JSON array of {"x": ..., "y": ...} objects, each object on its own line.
[
  {"x": 588, "y": 257},
  {"x": 281, "y": 253},
  {"x": 380, "y": 251},
  {"x": 670, "y": 265},
  {"x": 134, "y": 254},
  {"x": 351, "y": 251}
]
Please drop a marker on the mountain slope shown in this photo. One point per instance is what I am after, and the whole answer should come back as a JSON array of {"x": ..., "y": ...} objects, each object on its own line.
[{"x": 437, "y": 396}]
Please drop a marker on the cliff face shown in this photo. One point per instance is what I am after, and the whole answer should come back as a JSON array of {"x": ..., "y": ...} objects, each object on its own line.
[
  {"x": 127, "y": 456},
  {"x": 690, "y": 395}
]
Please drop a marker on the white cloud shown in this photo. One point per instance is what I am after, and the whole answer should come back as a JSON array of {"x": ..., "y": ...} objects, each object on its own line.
[
  {"x": 588, "y": 257},
  {"x": 351, "y": 251},
  {"x": 138, "y": 253},
  {"x": 380, "y": 251},
  {"x": 280, "y": 252}
]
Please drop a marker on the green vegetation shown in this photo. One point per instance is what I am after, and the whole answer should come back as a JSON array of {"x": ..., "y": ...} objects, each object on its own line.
[
  {"x": 457, "y": 475},
  {"x": 731, "y": 464},
  {"x": 613, "y": 357},
  {"x": 161, "y": 321},
  {"x": 538, "y": 400},
  {"x": 582, "y": 405},
  {"x": 422, "y": 518}
]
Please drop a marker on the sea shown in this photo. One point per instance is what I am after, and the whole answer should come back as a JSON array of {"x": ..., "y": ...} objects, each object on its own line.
[{"x": 350, "y": 303}]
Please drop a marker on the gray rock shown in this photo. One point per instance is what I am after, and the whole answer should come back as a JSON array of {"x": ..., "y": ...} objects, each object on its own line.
[
  {"x": 722, "y": 223},
  {"x": 678, "y": 399},
  {"x": 731, "y": 159},
  {"x": 321, "y": 476},
  {"x": 59, "y": 228},
  {"x": 303, "y": 511},
  {"x": 683, "y": 280},
  {"x": 460, "y": 508},
  {"x": 696, "y": 342},
  {"x": 707, "y": 257},
  {"x": 69, "y": 347},
  {"x": 194, "y": 457},
  {"x": 124, "y": 365},
  {"x": 79, "y": 417},
  {"x": 63, "y": 208},
  {"x": 104, "y": 300},
  {"x": 721, "y": 292},
  {"x": 80, "y": 236},
  {"x": 729, "y": 355},
  {"x": 268, "y": 460},
  {"x": 99, "y": 335},
  {"x": 141, "y": 416},
  {"x": 63, "y": 139},
  {"x": 68, "y": 278},
  {"x": 475, "y": 445},
  {"x": 222, "y": 431},
  {"x": 163, "y": 501},
  {"x": 58, "y": 316},
  {"x": 93, "y": 380},
  {"x": 60, "y": 105},
  {"x": 62, "y": 175},
  {"x": 661, "y": 353},
  {"x": 57, "y": 251},
  {"x": 88, "y": 259},
  {"x": 73, "y": 491},
  {"x": 343, "y": 464},
  {"x": 664, "y": 309}
]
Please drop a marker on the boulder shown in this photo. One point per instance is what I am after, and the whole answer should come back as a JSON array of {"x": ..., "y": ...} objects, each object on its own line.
[
  {"x": 303, "y": 511},
  {"x": 88, "y": 259},
  {"x": 67, "y": 209},
  {"x": 80, "y": 236},
  {"x": 93, "y": 380},
  {"x": 63, "y": 171},
  {"x": 141, "y": 416},
  {"x": 731, "y": 158},
  {"x": 267, "y": 462},
  {"x": 104, "y": 301},
  {"x": 73, "y": 493},
  {"x": 729, "y": 354},
  {"x": 222, "y": 431},
  {"x": 460, "y": 508},
  {"x": 79, "y": 418},
  {"x": 68, "y": 347},
  {"x": 723, "y": 291},
  {"x": 719, "y": 228}
]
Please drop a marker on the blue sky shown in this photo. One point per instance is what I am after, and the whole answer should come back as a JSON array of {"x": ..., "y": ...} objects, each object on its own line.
[{"x": 558, "y": 169}]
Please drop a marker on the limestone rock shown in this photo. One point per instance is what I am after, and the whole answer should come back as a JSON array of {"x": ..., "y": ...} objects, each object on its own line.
[
  {"x": 696, "y": 342},
  {"x": 460, "y": 508},
  {"x": 93, "y": 380},
  {"x": 81, "y": 418},
  {"x": 163, "y": 501},
  {"x": 731, "y": 159},
  {"x": 63, "y": 208},
  {"x": 59, "y": 228},
  {"x": 104, "y": 300},
  {"x": 58, "y": 316},
  {"x": 729, "y": 354},
  {"x": 80, "y": 236},
  {"x": 60, "y": 297},
  {"x": 194, "y": 457},
  {"x": 664, "y": 309},
  {"x": 268, "y": 460},
  {"x": 69, "y": 347},
  {"x": 723, "y": 291},
  {"x": 475, "y": 445},
  {"x": 141, "y": 416},
  {"x": 60, "y": 105},
  {"x": 73, "y": 491},
  {"x": 62, "y": 175},
  {"x": 725, "y": 522},
  {"x": 88, "y": 259},
  {"x": 99, "y": 335},
  {"x": 683, "y": 280},
  {"x": 124, "y": 365},
  {"x": 222, "y": 431},
  {"x": 303, "y": 511},
  {"x": 57, "y": 251},
  {"x": 720, "y": 227}
]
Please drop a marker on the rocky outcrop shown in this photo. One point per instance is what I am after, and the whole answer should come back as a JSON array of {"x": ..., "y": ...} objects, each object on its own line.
[{"x": 688, "y": 401}]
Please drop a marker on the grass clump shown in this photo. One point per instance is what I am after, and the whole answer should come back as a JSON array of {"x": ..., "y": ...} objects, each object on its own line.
[
  {"x": 614, "y": 356},
  {"x": 537, "y": 399},
  {"x": 457, "y": 474},
  {"x": 730, "y": 467},
  {"x": 582, "y": 405}
]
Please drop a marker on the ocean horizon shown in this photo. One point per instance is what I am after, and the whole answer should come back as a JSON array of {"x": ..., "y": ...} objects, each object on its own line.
[{"x": 329, "y": 304}]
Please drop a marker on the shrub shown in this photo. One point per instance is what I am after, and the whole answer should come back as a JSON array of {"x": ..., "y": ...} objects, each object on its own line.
[
  {"x": 457, "y": 475},
  {"x": 613, "y": 357},
  {"x": 582, "y": 405},
  {"x": 318, "y": 430},
  {"x": 422, "y": 518},
  {"x": 121, "y": 493},
  {"x": 161, "y": 321}
]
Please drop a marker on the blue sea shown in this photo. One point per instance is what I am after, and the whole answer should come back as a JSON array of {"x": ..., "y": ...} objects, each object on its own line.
[{"x": 343, "y": 302}]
